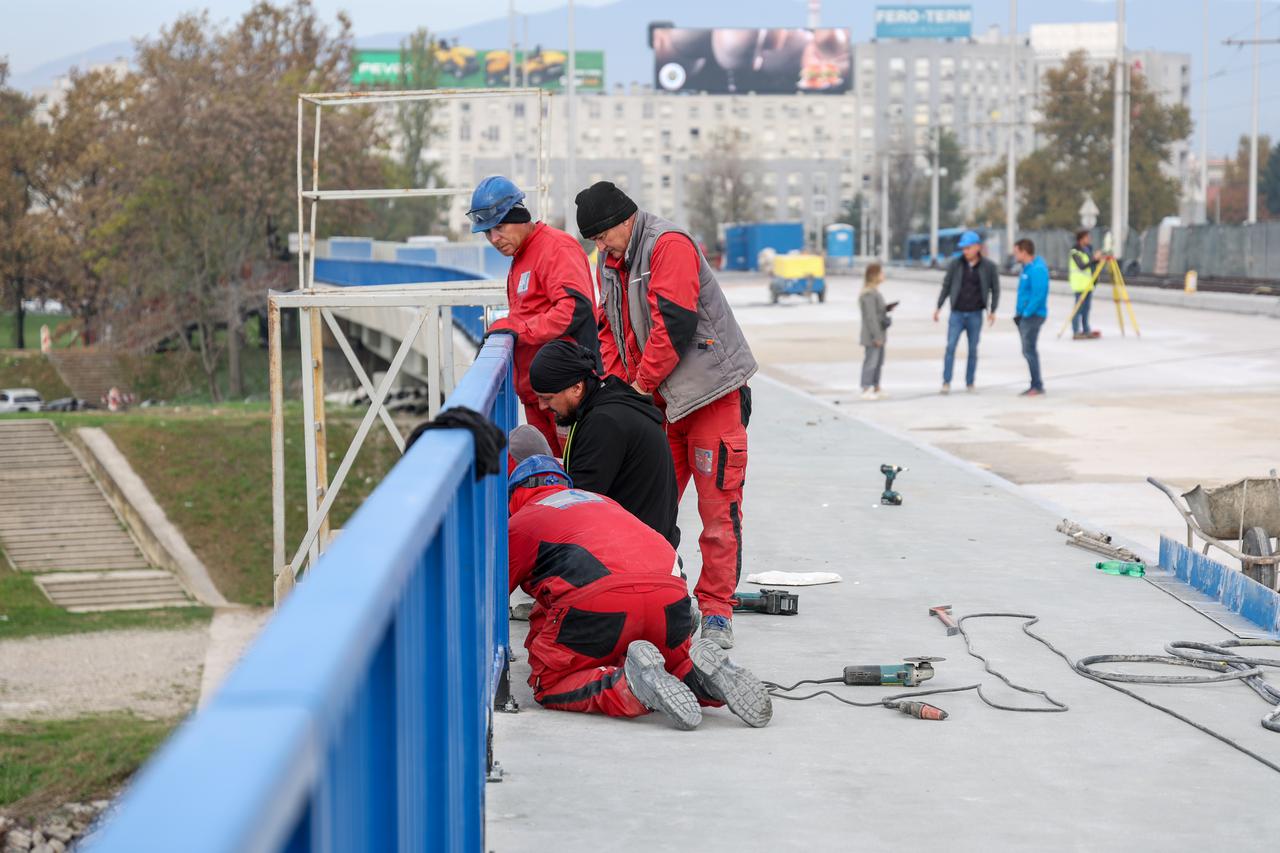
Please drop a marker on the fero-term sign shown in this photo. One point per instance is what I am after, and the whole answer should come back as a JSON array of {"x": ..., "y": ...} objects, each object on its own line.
[{"x": 924, "y": 22}]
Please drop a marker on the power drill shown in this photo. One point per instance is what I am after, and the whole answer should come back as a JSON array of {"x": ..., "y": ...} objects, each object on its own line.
[
  {"x": 890, "y": 497},
  {"x": 775, "y": 602}
]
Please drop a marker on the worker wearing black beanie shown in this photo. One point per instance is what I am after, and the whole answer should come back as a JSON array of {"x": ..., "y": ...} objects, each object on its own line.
[
  {"x": 600, "y": 207},
  {"x": 616, "y": 445}
]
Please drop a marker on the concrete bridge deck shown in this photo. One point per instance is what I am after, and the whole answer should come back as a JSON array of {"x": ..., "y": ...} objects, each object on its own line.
[{"x": 1109, "y": 774}]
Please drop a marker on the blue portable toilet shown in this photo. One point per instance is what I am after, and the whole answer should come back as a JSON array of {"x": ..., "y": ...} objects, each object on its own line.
[{"x": 840, "y": 245}]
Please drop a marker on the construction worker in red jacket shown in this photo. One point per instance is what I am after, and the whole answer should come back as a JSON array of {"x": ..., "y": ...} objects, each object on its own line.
[
  {"x": 666, "y": 328},
  {"x": 609, "y": 630},
  {"x": 549, "y": 288}
]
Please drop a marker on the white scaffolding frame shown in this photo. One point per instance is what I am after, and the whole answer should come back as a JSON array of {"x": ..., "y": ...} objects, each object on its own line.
[{"x": 428, "y": 304}]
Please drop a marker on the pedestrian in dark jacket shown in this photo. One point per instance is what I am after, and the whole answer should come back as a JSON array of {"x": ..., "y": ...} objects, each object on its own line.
[
  {"x": 972, "y": 285},
  {"x": 616, "y": 445},
  {"x": 875, "y": 325}
]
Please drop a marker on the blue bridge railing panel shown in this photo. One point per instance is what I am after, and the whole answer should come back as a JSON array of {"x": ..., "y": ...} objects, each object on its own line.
[{"x": 358, "y": 720}]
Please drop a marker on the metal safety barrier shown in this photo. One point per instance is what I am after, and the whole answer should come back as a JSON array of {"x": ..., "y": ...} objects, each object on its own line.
[{"x": 359, "y": 719}]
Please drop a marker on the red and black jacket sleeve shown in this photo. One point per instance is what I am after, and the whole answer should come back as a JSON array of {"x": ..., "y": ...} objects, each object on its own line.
[{"x": 673, "y": 308}]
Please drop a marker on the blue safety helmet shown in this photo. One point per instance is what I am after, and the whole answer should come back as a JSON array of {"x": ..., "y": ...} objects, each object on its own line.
[
  {"x": 492, "y": 200},
  {"x": 969, "y": 238},
  {"x": 537, "y": 471}
]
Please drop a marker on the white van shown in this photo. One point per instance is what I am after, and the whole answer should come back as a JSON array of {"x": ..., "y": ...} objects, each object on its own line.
[{"x": 20, "y": 400}]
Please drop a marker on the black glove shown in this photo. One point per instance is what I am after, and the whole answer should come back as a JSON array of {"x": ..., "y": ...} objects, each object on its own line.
[
  {"x": 489, "y": 439},
  {"x": 492, "y": 332}
]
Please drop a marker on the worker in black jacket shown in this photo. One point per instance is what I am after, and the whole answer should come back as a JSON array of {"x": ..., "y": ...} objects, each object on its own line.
[{"x": 616, "y": 445}]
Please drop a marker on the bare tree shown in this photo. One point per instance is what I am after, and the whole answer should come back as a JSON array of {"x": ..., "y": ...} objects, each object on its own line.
[{"x": 719, "y": 189}]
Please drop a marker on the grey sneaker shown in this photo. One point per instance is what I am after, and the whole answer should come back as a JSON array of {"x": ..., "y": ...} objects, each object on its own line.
[
  {"x": 724, "y": 680},
  {"x": 695, "y": 614},
  {"x": 659, "y": 690},
  {"x": 719, "y": 630}
]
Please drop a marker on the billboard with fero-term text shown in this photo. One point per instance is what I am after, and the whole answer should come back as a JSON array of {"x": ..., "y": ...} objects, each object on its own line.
[
  {"x": 739, "y": 60},
  {"x": 924, "y": 22}
]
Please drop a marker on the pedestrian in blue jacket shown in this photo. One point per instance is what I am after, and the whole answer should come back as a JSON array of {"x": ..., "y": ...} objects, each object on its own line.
[{"x": 1032, "y": 309}]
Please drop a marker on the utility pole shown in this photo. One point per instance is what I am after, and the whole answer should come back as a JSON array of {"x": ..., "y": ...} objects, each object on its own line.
[
  {"x": 1117, "y": 142},
  {"x": 934, "y": 172},
  {"x": 884, "y": 208},
  {"x": 571, "y": 124},
  {"x": 1204, "y": 114},
  {"x": 1257, "y": 41},
  {"x": 1011, "y": 169},
  {"x": 1253, "y": 133},
  {"x": 511, "y": 78},
  {"x": 815, "y": 14}
]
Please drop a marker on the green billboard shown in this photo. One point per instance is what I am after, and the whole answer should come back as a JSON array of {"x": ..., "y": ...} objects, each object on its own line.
[{"x": 468, "y": 68}]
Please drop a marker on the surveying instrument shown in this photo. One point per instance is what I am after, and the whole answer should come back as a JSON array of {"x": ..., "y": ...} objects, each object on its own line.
[{"x": 1119, "y": 293}]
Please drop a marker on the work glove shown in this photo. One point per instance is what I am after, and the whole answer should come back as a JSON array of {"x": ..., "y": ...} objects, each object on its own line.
[{"x": 505, "y": 326}]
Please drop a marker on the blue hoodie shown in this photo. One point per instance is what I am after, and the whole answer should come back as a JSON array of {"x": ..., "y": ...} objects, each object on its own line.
[{"x": 1033, "y": 289}]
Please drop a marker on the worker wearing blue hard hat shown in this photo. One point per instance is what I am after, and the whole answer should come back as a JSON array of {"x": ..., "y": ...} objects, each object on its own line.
[
  {"x": 549, "y": 288},
  {"x": 972, "y": 286},
  {"x": 609, "y": 632}
]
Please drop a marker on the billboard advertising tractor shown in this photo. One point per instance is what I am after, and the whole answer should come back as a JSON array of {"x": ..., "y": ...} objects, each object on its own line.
[
  {"x": 764, "y": 61},
  {"x": 463, "y": 67}
]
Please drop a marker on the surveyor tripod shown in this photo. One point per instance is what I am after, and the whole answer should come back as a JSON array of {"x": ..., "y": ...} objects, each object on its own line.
[{"x": 1119, "y": 293}]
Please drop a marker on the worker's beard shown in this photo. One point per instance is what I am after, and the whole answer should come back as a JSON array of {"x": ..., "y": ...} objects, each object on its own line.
[{"x": 567, "y": 420}]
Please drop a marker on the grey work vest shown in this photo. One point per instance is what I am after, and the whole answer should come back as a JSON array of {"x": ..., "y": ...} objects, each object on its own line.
[{"x": 717, "y": 360}]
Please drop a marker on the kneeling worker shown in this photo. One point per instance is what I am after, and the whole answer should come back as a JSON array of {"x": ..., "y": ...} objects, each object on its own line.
[
  {"x": 616, "y": 445},
  {"x": 609, "y": 632}
]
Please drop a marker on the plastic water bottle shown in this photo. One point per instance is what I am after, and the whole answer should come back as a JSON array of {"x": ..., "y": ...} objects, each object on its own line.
[{"x": 1120, "y": 567}]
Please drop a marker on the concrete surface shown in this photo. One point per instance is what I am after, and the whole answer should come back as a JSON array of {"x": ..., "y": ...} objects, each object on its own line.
[
  {"x": 1195, "y": 399},
  {"x": 1109, "y": 774}
]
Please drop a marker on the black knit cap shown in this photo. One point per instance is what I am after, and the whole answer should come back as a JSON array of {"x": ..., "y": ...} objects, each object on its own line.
[
  {"x": 560, "y": 364},
  {"x": 600, "y": 207},
  {"x": 518, "y": 213}
]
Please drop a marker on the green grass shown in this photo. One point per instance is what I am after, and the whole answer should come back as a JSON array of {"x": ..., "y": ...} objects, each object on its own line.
[
  {"x": 31, "y": 330},
  {"x": 31, "y": 370},
  {"x": 209, "y": 467},
  {"x": 26, "y": 612},
  {"x": 45, "y": 763}
]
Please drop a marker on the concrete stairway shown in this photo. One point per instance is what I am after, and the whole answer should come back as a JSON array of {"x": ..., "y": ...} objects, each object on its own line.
[
  {"x": 54, "y": 518},
  {"x": 89, "y": 373}
]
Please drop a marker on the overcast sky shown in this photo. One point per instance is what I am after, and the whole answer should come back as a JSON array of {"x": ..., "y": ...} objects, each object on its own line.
[{"x": 36, "y": 31}]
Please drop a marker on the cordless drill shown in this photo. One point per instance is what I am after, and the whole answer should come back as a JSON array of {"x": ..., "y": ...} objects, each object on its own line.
[
  {"x": 890, "y": 497},
  {"x": 775, "y": 602}
]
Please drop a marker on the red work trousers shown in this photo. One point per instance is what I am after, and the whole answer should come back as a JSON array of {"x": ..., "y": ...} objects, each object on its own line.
[
  {"x": 577, "y": 652},
  {"x": 710, "y": 445},
  {"x": 544, "y": 421}
]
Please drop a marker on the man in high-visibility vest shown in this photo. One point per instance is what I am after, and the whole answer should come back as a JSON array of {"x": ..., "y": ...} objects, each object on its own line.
[{"x": 1080, "y": 270}]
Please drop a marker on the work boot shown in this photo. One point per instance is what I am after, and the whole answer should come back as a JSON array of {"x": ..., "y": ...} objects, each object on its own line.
[
  {"x": 725, "y": 681},
  {"x": 718, "y": 629},
  {"x": 659, "y": 690},
  {"x": 695, "y": 617}
]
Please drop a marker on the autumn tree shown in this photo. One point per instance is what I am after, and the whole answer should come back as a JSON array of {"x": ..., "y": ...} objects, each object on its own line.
[
  {"x": 719, "y": 191},
  {"x": 1074, "y": 154},
  {"x": 1233, "y": 196},
  {"x": 215, "y": 165},
  {"x": 22, "y": 144},
  {"x": 84, "y": 184}
]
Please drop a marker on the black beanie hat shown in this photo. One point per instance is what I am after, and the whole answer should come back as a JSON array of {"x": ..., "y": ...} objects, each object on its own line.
[
  {"x": 600, "y": 207},
  {"x": 518, "y": 213},
  {"x": 560, "y": 364}
]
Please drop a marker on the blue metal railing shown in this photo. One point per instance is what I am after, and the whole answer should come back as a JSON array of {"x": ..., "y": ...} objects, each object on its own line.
[{"x": 358, "y": 719}]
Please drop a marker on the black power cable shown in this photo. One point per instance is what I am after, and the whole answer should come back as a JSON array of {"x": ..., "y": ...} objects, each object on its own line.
[{"x": 1226, "y": 666}]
